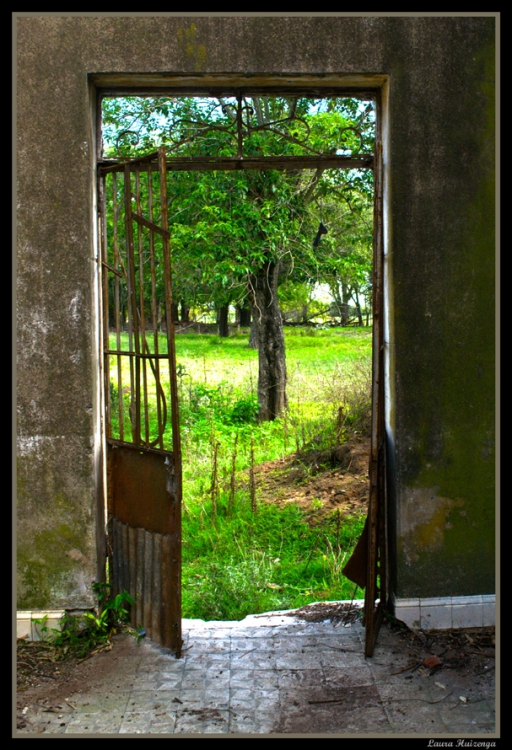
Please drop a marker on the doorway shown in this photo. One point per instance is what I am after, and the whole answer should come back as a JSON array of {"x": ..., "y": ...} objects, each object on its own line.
[{"x": 143, "y": 358}]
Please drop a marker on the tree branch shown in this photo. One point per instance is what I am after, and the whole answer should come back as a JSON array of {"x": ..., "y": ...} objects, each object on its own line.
[
  {"x": 314, "y": 182},
  {"x": 292, "y": 104},
  {"x": 228, "y": 109},
  {"x": 257, "y": 107}
]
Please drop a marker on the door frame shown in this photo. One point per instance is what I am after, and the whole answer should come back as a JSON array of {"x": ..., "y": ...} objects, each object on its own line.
[{"x": 377, "y": 85}]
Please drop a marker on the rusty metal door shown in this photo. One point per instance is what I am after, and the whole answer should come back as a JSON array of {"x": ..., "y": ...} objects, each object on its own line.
[
  {"x": 368, "y": 565},
  {"x": 144, "y": 476}
]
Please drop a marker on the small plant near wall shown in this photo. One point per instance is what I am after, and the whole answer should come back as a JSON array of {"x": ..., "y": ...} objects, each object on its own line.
[{"x": 81, "y": 635}]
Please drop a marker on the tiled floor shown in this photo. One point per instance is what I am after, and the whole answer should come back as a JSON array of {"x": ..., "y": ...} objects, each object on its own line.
[{"x": 276, "y": 675}]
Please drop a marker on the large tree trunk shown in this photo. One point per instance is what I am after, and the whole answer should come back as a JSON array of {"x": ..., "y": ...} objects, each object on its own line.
[
  {"x": 358, "y": 306},
  {"x": 254, "y": 334},
  {"x": 222, "y": 320},
  {"x": 346, "y": 291},
  {"x": 175, "y": 313},
  {"x": 271, "y": 350},
  {"x": 244, "y": 314},
  {"x": 185, "y": 312}
]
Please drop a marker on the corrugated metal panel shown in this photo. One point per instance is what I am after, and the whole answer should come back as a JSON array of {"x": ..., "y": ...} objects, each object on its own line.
[{"x": 146, "y": 555}]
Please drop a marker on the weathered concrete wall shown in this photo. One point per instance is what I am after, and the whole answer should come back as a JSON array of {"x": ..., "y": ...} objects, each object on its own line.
[{"x": 441, "y": 252}]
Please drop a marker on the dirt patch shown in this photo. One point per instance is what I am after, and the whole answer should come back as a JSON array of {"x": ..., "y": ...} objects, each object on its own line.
[
  {"x": 319, "y": 482},
  {"x": 403, "y": 686},
  {"x": 313, "y": 705},
  {"x": 470, "y": 651},
  {"x": 46, "y": 683},
  {"x": 341, "y": 613}
]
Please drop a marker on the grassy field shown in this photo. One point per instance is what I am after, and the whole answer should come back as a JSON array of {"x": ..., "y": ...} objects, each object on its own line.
[{"x": 240, "y": 555}]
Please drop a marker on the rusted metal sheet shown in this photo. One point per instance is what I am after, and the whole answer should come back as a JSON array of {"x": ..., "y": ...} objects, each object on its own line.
[
  {"x": 150, "y": 556},
  {"x": 147, "y": 539},
  {"x": 356, "y": 569},
  {"x": 139, "y": 495},
  {"x": 147, "y": 581},
  {"x": 156, "y": 590},
  {"x": 171, "y": 623},
  {"x": 139, "y": 572},
  {"x": 124, "y": 567},
  {"x": 132, "y": 567}
]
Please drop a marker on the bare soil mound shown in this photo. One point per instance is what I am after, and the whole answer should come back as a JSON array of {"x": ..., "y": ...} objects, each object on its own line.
[{"x": 319, "y": 482}]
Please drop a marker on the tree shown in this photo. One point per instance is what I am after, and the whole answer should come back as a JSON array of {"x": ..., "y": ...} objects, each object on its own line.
[{"x": 238, "y": 235}]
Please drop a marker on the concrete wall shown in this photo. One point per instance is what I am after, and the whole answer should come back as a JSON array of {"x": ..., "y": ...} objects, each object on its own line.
[{"x": 440, "y": 262}]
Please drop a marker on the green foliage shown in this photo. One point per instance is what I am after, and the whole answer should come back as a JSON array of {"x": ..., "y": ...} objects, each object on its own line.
[
  {"x": 245, "y": 410},
  {"x": 257, "y": 562},
  {"x": 239, "y": 562},
  {"x": 197, "y": 126},
  {"x": 227, "y": 225},
  {"x": 80, "y": 634}
]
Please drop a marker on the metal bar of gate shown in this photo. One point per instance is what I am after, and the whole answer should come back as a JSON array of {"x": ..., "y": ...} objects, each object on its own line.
[
  {"x": 154, "y": 312},
  {"x": 228, "y": 163},
  {"x": 132, "y": 293}
]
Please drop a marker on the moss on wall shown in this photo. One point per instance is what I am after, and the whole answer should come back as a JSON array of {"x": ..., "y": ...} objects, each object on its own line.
[
  {"x": 51, "y": 566},
  {"x": 55, "y": 568},
  {"x": 447, "y": 405}
]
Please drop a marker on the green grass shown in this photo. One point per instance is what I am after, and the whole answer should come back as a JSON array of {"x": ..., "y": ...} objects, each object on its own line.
[
  {"x": 236, "y": 561},
  {"x": 263, "y": 561}
]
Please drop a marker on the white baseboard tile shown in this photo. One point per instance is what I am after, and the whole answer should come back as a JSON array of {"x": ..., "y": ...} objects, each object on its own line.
[
  {"x": 29, "y": 630},
  {"x": 440, "y": 613}
]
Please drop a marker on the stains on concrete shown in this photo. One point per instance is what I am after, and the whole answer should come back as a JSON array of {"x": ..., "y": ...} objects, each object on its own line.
[
  {"x": 189, "y": 43},
  {"x": 55, "y": 529},
  {"x": 424, "y": 521}
]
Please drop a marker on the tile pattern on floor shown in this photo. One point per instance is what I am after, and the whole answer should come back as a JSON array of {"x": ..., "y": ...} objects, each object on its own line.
[{"x": 275, "y": 674}]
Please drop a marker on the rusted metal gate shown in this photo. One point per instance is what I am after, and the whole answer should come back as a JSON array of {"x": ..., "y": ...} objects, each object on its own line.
[{"x": 141, "y": 404}]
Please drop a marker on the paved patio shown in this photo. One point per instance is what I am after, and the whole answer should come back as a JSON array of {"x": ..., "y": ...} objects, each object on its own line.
[{"x": 276, "y": 674}]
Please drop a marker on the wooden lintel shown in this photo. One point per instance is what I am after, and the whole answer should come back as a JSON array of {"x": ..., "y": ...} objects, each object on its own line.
[{"x": 224, "y": 84}]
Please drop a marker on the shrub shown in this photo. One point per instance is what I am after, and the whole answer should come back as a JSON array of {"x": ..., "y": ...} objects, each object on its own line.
[{"x": 245, "y": 410}]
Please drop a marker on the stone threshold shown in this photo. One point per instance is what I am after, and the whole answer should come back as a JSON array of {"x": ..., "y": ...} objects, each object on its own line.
[
  {"x": 32, "y": 631},
  {"x": 435, "y": 613}
]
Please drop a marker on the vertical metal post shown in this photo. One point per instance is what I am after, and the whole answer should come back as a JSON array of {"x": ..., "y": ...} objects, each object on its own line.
[
  {"x": 174, "y": 484},
  {"x": 372, "y": 619},
  {"x": 154, "y": 312}
]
